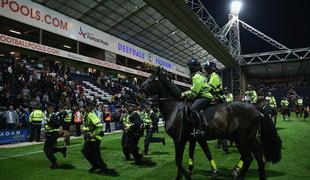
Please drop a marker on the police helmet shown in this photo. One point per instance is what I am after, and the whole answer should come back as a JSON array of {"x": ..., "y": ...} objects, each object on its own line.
[
  {"x": 194, "y": 65},
  {"x": 209, "y": 65}
]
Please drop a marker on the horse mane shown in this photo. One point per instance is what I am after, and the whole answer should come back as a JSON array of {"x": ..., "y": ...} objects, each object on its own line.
[{"x": 174, "y": 89}]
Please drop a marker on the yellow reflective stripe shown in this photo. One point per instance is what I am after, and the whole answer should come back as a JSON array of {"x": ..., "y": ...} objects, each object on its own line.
[
  {"x": 240, "y": 164},
  {"x": 190, "y": 162},
  {"x": 213, "y": 164}
]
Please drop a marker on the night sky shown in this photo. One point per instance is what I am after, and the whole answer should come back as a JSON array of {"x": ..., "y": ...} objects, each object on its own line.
[{"x": 286, "y": 21}]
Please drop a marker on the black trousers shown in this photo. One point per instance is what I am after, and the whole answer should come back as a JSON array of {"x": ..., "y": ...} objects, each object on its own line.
[
  {"x": 35, "y": 132},
  {"x": 91, "y": 151},
  {"x": 198, "y": 105},
  {"x": 130, "y": 145},
  {"x": 150, "y": 139},
  {"x": 77, "y": 129},
  {"x": 108, "y": 126},
  {"x": 66, "y": 126},
  {"x": 50, "y": 146},
  {"x": 124, "y": 149}
]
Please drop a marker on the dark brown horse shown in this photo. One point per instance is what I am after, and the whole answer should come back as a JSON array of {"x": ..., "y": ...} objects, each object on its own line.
[{"x": 238, "y": 121}]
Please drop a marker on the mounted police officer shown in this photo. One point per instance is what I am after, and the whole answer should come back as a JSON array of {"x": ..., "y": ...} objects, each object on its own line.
[
  {"x": 150, "y": 120},
  {"x": 93, "y": 133},
  {"x": 200, "y": 91},
  {"x": 52, "y": 125},
  {"x": 214, "y": 80},
  {"x": 271, "y": 101},
  {"x": 132, "y": 125},
  {"x": 250, "y": 95}
]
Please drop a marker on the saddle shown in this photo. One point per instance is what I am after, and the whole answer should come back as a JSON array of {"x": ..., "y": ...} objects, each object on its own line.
[{"x": 206, "y": 114}]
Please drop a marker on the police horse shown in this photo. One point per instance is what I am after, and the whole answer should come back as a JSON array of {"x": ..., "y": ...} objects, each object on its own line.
[{"x": 238, "y": 121}]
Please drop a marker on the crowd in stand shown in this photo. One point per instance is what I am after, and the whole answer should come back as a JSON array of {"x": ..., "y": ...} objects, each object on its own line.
[{"x": 25, "y": 85}]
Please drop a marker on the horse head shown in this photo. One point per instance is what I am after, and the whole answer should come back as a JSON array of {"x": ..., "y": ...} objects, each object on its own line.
[{"x": 151, "y": 85}]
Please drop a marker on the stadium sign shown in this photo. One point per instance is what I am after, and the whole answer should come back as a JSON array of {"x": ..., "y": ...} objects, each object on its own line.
[
  {"x": 39, "y": 16},
  {"x": 10, "y": 136}
]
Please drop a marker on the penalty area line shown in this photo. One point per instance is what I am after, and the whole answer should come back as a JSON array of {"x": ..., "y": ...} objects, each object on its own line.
[{"x": 36, "y": 152}]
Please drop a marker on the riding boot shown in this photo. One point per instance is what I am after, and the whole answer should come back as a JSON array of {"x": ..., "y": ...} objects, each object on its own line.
[{"x": 198, "y": 131}]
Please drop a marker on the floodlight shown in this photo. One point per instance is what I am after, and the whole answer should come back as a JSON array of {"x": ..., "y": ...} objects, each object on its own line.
[{"x": 235, "y": 7}]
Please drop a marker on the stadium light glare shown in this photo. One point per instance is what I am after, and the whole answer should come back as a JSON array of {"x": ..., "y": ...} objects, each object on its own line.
[
  {"x": 15, "y": 32},
  {"x": 235, "y": 7}
]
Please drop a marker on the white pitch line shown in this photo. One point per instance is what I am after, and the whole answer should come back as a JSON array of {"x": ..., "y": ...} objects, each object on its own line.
[{"x": 36, "y": 152}]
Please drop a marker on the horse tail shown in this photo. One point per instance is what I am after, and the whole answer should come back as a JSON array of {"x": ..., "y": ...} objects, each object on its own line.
[{"x": 270, "y": 140}]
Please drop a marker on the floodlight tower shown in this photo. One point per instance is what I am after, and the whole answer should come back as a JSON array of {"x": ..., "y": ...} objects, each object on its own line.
[
  {"x": 234, "y": 45},
  {"x": 237, "y": 79}
]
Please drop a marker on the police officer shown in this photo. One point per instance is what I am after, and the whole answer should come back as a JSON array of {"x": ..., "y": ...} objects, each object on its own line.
[
  {"x": 214, "y": 80},
  {"x": 93, "y": 133},
  {"x": 300, "y": 107},
  {"x": 285, "y": 108},
  {"x": 250, "y": 95},
  {"x": 52, "y": 125},
  {"x": 68, "y": 119},
  {"x": 200, "y": 91},
  {"x": 271, "y": 101},
  {"x": 150, "y": 121},
  {"x": 132, "y": 125},
  {"x": 35, "y": 119}
]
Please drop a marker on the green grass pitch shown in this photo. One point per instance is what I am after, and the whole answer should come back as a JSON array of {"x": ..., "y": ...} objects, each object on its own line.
[{"x": 295, "y": 163}]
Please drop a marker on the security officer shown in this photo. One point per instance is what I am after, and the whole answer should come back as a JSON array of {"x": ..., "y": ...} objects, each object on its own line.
[
  {"x": 52, "y": 125},
  {"x": 250, "y": 95},
  {"x": 285, "y": 108},
  {"x": 271, "y": 101},
  {"x": 93, "y": 133},
  {"x": 200, "y": 91},
  {"x": 228, "y": 96},
  {"x": 214, "y": 80},
  {"x": 132, "y": 124},
  {"x": 35, "y": 119},
  {"x": 149, "y": 125}
]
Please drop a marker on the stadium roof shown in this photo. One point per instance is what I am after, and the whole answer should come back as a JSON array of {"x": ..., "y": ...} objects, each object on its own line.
[
  {"x": 278, "y": 70},
  {"x": 172, "y": 30}
]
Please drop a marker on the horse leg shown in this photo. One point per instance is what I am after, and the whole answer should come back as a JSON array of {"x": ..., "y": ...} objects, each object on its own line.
[
  {"x": 192, "y": 146},
  {"x": 179, "y": 150},
  {"x": 246, "y": 158},
  {"x": 205, "y": 147},
  {"x": 258, "y": 154}
]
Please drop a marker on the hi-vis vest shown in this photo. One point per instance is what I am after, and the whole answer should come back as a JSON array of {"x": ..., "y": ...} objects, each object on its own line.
[
  {"x": 284, "y": 103},
  {"x": 215, "y": 82},
  {"x": 36, "y": 116},
  {"x": 47, "y": 127},
  {"x": 126, "y": 121},
  {"x": 69, "y": 115},
  {"x": 300, "y": 102},
  {"x": 200, "y": 87},
  {"x": 93, "y": 125},
  {"x": 147, "y": 119},
  {"x": 272, "y": 101},
  {"x": 229, "y": 98},
  {"x": 252, "y": 95}
]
